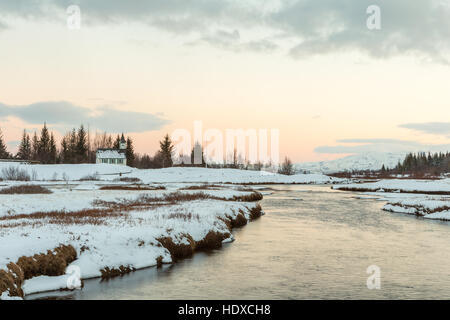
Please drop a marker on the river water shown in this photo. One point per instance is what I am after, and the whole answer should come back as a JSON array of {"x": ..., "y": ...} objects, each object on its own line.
[{"x": 313, "y": 243}]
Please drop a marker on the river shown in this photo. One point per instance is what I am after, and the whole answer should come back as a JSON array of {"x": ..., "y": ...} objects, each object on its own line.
[{"x": 313, "y": 243}]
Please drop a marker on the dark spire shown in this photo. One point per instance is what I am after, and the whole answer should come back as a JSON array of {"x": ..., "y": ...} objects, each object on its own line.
[{"x": 122, "y": 139}]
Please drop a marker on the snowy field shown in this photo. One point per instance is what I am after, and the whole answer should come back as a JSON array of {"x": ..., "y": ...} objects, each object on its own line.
[
  {"x": 427, "y": 198},
  {"x": 106, "y": 172},
  {"x": 117, "y": 229}
]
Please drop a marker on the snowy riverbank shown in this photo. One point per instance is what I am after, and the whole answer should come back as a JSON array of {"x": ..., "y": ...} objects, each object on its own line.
[
  {"x": 113, "y": 231},
  {"x": 427, "y": 198}
]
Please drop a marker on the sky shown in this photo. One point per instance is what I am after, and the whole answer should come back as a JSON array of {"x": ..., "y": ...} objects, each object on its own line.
[{"x": 312, "y": 69}]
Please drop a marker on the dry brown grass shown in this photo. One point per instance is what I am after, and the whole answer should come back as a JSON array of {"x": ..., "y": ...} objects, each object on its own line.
[
  {"x": 52, "y": 263},
  {"x": 25, "y": 189},
  {"x": 255, "y": 212},
  {"x": 133, "y": 188},
  {"x": 239, "y": 221},
  {"x": 171, "y": 198},
  {"x": 178, "y": 250},
  {"x": 108, "y": 273},
  {"x": 421, "y": 210},
  {"x": 203, "y": 187},
  {"x": 87, "y": 216},
  {"x": 11, "y": 280},
  {"x": 440, "y": 193},
  {"x": 213, "y": 240}
]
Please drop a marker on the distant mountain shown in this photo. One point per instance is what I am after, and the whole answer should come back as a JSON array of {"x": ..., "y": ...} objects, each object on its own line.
[{"x": 365, "y": 161}]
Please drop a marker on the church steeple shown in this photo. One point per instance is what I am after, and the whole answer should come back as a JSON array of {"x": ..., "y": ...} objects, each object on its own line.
[{"x": 123, "y": 143}]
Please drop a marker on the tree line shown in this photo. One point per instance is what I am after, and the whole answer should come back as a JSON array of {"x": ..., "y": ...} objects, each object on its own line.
[
  {"x": 422, "y": 164},
  {"x": 76, "y": 146}
]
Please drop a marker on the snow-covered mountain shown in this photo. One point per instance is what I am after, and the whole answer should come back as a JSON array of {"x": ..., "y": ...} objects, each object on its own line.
[{"x": 365, "y": 161}]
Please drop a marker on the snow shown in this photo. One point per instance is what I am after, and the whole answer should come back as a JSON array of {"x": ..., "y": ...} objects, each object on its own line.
[
  {"x": 427, "y": 198},
  {"x": 110, "y": 154},
  {"x": 128, "y": 239},
  {"x": 167, "y": 175},
  {"x": 365, "y": 161},
  {"x": 401, "y": 185}
]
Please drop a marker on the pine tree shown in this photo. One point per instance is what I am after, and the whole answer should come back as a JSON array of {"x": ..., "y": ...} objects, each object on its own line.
[
  {"x": 3, "y": 151},
  {"x": 81, "y": 145},
  {"x": 24, "y": 152},
  {"x": 130, "y": 152},
  {"x": 64, "y": 154},
  {"x": 72, "y": 146},
  {"x": 53, "y": 151},
  {"x": 44, "y": 146},
  {"x": 35, "y": 147},
  {"x": 166, "y": 151}
]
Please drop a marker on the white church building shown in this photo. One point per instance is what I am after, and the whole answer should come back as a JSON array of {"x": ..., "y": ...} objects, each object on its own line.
[{"x": 112, "y": 155}]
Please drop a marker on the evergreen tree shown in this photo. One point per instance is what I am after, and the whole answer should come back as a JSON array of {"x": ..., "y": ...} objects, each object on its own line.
[
  {"x": 130, "y": 152},
  {"x": 3, "y": 151},
  {"x": 24, "y": 152},
  {"x": 43, "y": 153},
  {"x": 35, "y": 147},
  {"x": 53, "y": 151},
  {"x": 72, "y": 146},
  {"x": 81, "y": 145},
  {"x": 64, "y": 154},
  {"x": 165, "y": 152}
]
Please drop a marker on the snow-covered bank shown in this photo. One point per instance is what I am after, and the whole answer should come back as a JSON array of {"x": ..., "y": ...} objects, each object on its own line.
[
  {"x": 427, "y": 198},
  {"x": 439, "y": 187},
  {"x": 72, "y": 172},
  {"x": 115, "y": 231},
  {"x": 436, "y": 208}
]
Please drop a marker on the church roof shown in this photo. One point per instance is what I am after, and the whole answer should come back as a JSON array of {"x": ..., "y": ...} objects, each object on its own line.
[{"x": 111, "y": 154}]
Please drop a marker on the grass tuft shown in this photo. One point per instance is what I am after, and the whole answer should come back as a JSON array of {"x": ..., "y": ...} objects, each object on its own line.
[{"x": 25, "y": 189}]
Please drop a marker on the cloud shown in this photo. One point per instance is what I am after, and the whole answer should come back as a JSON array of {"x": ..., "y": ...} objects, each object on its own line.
[
  {"x": 357, "y": 146},
  {"x": 438, "y": 128},
  {"x": 312, "y": 27},
  {"x": 231, "y": 40},
  {"x": 63, "y": 115}
]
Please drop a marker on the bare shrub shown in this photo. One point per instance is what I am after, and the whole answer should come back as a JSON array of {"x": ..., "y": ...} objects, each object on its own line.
[
  {"x": 128, "y": 179},
  {"x": 91, "y": 177},
  {"x": 15, "y": 174},
  {"x": 25, "y": 189},
  {"x": 133, "y": 188}
]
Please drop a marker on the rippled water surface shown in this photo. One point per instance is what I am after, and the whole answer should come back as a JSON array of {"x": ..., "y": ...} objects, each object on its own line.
[{"x": 313, "y": 243}]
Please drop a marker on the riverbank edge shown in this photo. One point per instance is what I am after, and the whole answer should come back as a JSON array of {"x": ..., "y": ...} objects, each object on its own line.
[{"x": 14, "y": 278}]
